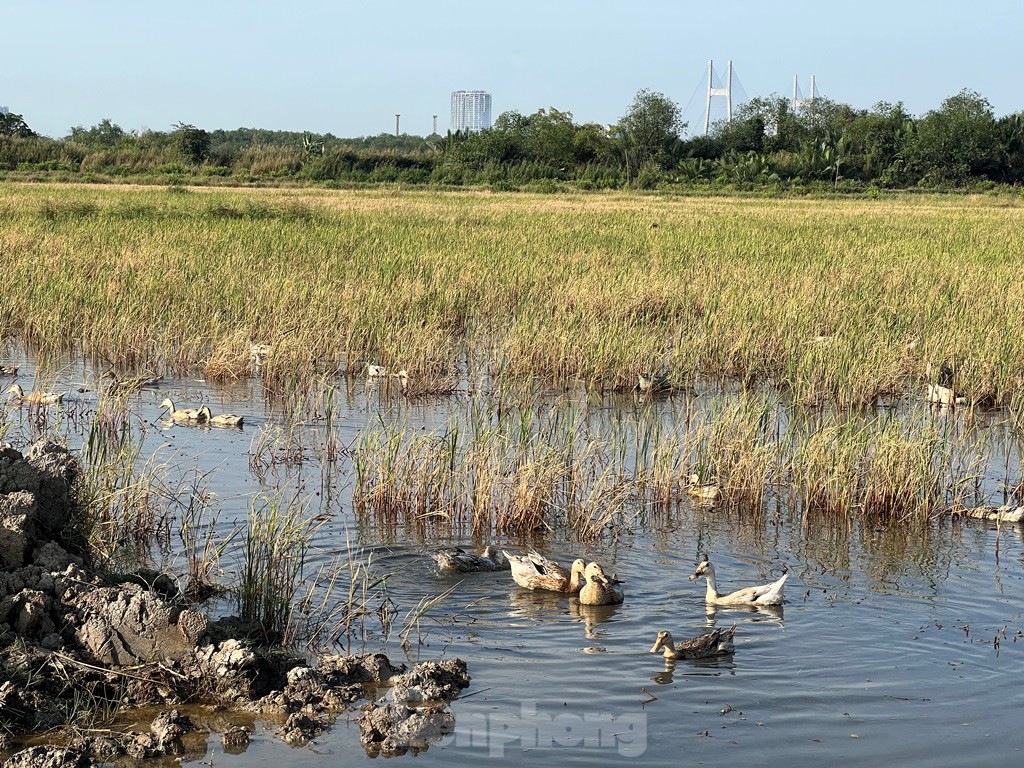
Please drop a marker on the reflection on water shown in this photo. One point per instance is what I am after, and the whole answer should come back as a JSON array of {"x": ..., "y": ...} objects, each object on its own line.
[
  {"x": 888, "y": 632},
  {"x": 689, "y": 667},
  {"x": 536, "y": 604},
  {"x": 734, "y": 614},
  {"x": 592, "y": 616}
]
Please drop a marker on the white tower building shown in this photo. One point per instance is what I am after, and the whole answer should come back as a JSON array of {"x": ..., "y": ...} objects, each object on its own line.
[{"x": 471, "y": 110}]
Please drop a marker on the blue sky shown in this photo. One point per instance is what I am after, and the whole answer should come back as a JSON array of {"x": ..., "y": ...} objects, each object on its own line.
[{"x": 348, "y": 67}]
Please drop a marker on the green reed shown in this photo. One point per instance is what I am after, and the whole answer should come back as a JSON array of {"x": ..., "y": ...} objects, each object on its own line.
[{"x": 274, "y": 547}]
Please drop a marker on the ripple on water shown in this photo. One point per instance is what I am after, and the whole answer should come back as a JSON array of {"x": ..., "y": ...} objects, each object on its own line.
[{"x": 885, "y": 636}]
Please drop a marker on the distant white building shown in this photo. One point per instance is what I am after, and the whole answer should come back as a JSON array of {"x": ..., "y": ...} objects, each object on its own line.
[
  {"x": 471, "y": 110},
  {"x": 4, "y": 110}
]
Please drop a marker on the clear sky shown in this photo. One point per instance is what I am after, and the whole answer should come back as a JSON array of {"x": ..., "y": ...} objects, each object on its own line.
[{"x": 347, "y": 67}]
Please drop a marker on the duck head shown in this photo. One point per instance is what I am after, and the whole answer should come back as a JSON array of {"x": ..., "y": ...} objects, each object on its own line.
[
  {"x": 703, "y": 567},
  {"x": 594, "y": 572},
  {"x": 664, "y": 641}
]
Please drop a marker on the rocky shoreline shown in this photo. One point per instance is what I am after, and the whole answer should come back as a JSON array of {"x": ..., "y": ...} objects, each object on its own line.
[{"x": 71, "y": 640}]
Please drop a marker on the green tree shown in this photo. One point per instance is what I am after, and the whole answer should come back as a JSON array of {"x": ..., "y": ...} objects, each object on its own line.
[
  {"x": 744, "y": 134},
  {"x": 192, "y": 142},
  {"x": 103, "y": 134},
  {"x": 650, "y": 131},
  {"x": 592, "y": 144},
  {"x": 956, "y": 142},
  {"x": 823, "y": 119},
  {"x": 1010, "y": 130},
  {"x": 876, "y": 140},
  {"x": 15, "y": 125},
  {"x": 549, "y": 136},
  {"x": 781, "y": 127}
]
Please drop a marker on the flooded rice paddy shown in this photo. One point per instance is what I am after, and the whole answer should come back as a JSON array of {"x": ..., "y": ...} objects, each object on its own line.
[{"x": 897, "y": 643}]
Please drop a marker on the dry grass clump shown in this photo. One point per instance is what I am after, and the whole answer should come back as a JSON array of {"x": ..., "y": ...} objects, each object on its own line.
[
  {"x": 125, "y": 501},
  {"x": 876, "y": 466},
  {"x": 572, "y": 471},
  {"x": 736, "y": 445}
]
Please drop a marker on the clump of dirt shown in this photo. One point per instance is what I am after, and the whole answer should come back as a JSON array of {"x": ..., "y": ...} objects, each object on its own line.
[{"x": 68, "y": 635}]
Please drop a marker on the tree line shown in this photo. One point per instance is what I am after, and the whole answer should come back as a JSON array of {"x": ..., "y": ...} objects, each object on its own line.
[{"x": 771, "y": 142}]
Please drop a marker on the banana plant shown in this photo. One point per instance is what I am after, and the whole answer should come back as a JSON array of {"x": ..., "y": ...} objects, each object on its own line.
[{"x": 696, "y": 168}]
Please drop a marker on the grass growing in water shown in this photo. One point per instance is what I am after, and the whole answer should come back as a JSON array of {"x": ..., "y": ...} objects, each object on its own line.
[{"x": 274, "y": 547}]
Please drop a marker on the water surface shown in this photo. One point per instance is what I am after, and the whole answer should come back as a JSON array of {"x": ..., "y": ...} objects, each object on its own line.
[{"x": 894, "y": 645}]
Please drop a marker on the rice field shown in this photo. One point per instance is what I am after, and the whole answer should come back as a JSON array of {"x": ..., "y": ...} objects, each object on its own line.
[
  {"x": 838, "y": 302},
  {"x": 792, "y": 337},
  {"x": 785, "y": 345}
]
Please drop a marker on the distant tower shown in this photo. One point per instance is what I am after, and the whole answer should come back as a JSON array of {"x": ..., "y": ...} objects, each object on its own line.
[
  {"x": 712, "y": 91},
  {"x": 809, "y": 101},
  {"x": 435, "y": 126},
  {"x": 471, "y": 110},
  {"x": 397, "y": 119}
]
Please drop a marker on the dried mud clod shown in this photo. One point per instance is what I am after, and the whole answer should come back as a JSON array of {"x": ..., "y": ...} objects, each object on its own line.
[
  {"x": 70, "y": 636},
  {"x": 49, "y": 757},
  {"x": 416, "y": 714},
  {"x": 393, "y": 729}
]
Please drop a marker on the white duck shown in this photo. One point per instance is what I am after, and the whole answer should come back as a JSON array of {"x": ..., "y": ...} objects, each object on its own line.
[
  {"x": 183, "y": 414},
  {"x": 764, "y": 594}
]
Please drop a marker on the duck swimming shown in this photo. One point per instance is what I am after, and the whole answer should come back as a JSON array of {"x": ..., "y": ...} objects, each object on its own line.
[
  {"x": 197, "y": 415},
  {"x": 36, "y": 398},
  {"x": 649, "y": 383},
  {"x": 119, "y": 386},
  {"x": 221, "y": 419},
  {"x": 599, "y": 589},
  {"x": 707, "y": 492},
  {"x": 536, "y": 572},
  {"x": 704, "y": 646},
  {"x": 458, "y": 560},
  {"x": 764, "y": 594}
]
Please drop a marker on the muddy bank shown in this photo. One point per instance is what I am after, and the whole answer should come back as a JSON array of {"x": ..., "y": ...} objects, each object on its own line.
[{"x": 74, "y": 645}]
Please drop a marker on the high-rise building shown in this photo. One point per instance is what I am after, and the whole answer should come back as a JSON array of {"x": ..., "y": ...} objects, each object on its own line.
[{"x": 471, "y": 110}]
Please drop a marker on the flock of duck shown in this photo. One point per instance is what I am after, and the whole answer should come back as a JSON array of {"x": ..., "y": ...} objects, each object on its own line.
[
  {"x": 201, "y": 415},
  {"x": 592, "y": 586}
]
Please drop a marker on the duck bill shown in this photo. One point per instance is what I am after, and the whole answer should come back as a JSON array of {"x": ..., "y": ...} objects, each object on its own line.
[
  {"x": 694, "y": 576},
  {"x": 656, "y": 647}
]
